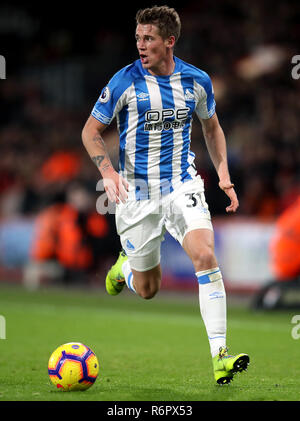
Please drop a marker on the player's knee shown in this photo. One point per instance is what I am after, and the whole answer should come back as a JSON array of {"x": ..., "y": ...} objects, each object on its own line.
[{"x": 204, "y": 258}]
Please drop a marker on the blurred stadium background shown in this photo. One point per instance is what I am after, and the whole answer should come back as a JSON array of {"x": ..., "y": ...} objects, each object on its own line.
[{"x": 57, "y": 61}]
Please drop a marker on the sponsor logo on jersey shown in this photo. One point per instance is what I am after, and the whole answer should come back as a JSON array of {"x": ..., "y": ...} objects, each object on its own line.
[
  {"x": 164, "y": 125},
  {"x": 157, "y": 119}
]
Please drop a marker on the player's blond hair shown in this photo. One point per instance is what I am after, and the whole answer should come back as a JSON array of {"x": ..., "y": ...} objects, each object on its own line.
[{"x": 164, "y": 17}]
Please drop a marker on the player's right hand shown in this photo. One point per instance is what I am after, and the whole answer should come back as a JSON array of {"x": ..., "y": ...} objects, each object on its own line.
[{"x": 116, "y": 186}]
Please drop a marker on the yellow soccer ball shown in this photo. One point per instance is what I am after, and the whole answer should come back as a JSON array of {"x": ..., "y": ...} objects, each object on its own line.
[{"x": 73, "y": 366}]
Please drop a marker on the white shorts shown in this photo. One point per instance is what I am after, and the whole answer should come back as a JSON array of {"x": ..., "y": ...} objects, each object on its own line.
[{"x": 142, "y": 224}]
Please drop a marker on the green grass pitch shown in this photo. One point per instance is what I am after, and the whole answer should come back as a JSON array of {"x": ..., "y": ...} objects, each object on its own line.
[{"x": 154, "y": 350}]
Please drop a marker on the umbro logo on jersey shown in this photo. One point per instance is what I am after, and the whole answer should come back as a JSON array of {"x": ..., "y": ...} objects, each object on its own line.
[
  {"x": 189, "y": 96},
  {"x": 143, "y": 96}
]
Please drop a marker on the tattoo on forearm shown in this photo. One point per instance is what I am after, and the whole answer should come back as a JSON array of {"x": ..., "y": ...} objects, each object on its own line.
[
  {"x": 98, "y": 138},
  {"x": 97, "y": 160}
]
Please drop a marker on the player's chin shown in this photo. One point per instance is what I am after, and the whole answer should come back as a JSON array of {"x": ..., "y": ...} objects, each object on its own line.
[{"x": 145, "y": 65}]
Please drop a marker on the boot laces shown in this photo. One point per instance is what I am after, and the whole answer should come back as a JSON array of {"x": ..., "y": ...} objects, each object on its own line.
[{"x": 223, "y": 350}]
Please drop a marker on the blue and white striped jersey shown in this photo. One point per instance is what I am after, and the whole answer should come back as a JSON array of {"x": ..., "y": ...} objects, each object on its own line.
[{"x": 154, "y": 116}]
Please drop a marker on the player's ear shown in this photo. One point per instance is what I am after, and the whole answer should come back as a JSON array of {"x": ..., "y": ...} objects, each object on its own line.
[{"x": 170, "y": 41}]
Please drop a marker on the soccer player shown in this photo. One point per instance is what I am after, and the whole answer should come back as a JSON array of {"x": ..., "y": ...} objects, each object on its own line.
[{"x": 157, "y": 187}]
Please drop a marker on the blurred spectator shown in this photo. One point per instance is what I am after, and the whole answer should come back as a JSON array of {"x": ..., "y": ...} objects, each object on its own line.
[
  {"x": 62, "y": 165},
  {"x": 284, "y": 262},
  {"x": 72, "y": 234},
  {"x": 285, "y": 246}
]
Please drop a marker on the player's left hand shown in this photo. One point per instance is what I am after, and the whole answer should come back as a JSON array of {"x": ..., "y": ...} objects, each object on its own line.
[{"x": 228, "y": 188}]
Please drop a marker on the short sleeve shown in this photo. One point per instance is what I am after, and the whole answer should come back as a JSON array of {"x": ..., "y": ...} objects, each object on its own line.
[
  {"x": 112, "y": 98},
  {"x": 206, "y": 104},
  {"x": 104, "y": 108}
]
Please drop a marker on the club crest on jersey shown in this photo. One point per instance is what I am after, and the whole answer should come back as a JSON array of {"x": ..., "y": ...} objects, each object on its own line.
[
  {"x": 105, "y": 95},
  {"x": 189, "y": 96}
]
